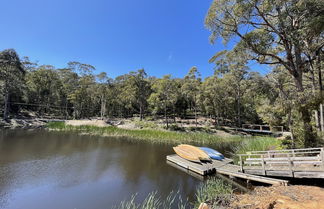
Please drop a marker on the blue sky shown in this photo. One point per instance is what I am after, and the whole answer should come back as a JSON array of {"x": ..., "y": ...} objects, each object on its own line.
[{"x": 162, "y": 36}]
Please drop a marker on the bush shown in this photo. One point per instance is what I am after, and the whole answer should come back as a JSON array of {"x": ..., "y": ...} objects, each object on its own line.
[
  {"x": 174, "y": 127},
  {"x": 145, "y": 124}
]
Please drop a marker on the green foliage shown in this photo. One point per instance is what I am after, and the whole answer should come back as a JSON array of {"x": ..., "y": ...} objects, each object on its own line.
[
  {"x": 256, "y": 144},
  {"x": 285, "y": 34},
  {"x": 214, "y": 191},
  {"x": 11, "y": 77},
  {"x": 153, "y": 201}
]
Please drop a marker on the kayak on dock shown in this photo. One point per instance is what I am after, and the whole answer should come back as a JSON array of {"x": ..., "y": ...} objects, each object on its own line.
[
  {"x": 191, "y": 153},
  {"x": 213, "y": 154}
]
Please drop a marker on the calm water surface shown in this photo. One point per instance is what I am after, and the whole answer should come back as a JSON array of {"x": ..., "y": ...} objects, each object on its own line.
[{"x": 48, "y": 170}]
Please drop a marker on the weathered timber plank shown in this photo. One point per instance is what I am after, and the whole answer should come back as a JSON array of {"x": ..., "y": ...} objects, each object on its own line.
[
  {"x": 252, "y": 177},
  {"x": 222, "y": 167}
]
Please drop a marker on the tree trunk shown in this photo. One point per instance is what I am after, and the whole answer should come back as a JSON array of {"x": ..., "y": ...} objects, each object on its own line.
[
  {"x": 321, "y": 118},
  {"x": 6, "y": 104},
  {"x": 309, "y": 136},
  {"x": 66, "y": 110},
  {"x": 320, "y": 74},
  {"x": 165, "y": 116},
  {"x": 308, "y": 133},
  {"x": 291, "y": 130},
  {"x": 141, "y": 112},
  {"x": 196, "y": 116},
  {"x": 298, "y": 78},
  {"x": 317, "y": 122}
]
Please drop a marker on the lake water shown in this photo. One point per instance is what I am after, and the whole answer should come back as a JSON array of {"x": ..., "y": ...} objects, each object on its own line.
[{"x": 51, "y": 170}]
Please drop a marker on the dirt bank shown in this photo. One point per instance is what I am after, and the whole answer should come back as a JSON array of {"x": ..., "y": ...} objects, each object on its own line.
[
  {"x": 291, "y": 197},
  {"x": 99, "y": 123},
  {"x": 22, "y": 123}
]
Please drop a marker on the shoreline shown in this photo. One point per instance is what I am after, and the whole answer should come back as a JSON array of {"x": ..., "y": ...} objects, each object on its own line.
[
  {"x": 147, "y": 134},
  {"x": 23, "y": 123}
]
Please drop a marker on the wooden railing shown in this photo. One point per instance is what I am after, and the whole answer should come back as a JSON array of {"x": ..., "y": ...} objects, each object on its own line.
[
  {"x": 263, "y": 128},
  {"x": 310, "y": 159}
]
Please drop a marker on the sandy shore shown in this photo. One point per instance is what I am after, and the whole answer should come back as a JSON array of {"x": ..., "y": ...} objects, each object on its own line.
[{"x": 289, "y": 197}]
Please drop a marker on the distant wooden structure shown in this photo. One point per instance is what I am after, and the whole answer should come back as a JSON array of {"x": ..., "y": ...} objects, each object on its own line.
[
  {"x": 295, "y": 163},
  {"x": 222, "y": 167},
  {"x": 261, "y": 129}
]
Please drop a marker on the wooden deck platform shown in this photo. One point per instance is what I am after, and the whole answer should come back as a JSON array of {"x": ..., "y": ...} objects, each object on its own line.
[
  {"x": 222, "y": 167},
  {"x": 294, "y": 163}
]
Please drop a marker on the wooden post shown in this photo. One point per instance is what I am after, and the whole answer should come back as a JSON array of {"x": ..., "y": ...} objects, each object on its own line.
[
  {"x": 322, "y": 157},
  {"x": 321, "y": 117},
  {"x": 269, "y": 154},
  {"x": 263, "y": 166},
  {"x": 293, "y": 152},
  {"x": 290, "y": 165},
  {"x": 241, "y": 163}
]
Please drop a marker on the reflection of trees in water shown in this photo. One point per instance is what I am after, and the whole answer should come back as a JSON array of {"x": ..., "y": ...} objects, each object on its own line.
[
  {"x": 66, "y": 160},
  {"x": 40, "y": 158},
  {"x": 147, "y": 162}
]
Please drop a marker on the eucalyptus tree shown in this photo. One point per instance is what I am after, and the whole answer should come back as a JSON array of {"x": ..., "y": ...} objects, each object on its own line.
[
  {"x": 70, "y": 82},
  {"x": 164, "y": 96},
  {"x": 213, "y": 97},
  {"x": 11, "y": 76},
  {"x": 190, "y": 89},
  {"x": 82, "y": 97},
  {"x": 44, "y": 88},
  {"x": 274, "y": 33},
  {"x": 140, "y": 89}
]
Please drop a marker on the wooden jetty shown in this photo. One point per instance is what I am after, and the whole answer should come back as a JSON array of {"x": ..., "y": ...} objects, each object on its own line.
[
  {"x": 261, "y": 129},
  {"x": 295, "y": 163},
  {"x": 222, "y": 167}
]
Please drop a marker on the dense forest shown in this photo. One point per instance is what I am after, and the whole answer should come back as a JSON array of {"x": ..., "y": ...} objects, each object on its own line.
[{"x": 270, "y": 33}]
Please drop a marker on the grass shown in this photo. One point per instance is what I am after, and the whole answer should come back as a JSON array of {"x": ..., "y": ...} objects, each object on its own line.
[
  {"x": 151, "y": 135},
  {"x": 256, "y": 144},
  {"x": 237, "y": 144},
  {"x": 215, "y": 192},
  {"x": 153, "y": 201}
]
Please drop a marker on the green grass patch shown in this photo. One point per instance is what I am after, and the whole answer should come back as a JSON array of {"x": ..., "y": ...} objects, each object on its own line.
[
  {"x": 215, "y": 192},
  {"x": 151, "y": 135},
  {"x": 153, "y": 201},
  {"x": 256, "y": 144}
]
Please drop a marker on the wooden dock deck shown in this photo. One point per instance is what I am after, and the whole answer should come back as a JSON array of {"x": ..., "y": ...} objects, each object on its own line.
[
  {"x": 294, "y": 163},
  {"x": 222, "y": 167}
]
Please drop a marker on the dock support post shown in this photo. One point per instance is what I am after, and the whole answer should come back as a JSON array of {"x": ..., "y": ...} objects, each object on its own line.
[
  {"x": 290, "y": 165},
  {"x": 322, "y": 157},
  {"x": 263, "y": 166},
  {"x": 241, "y": 164}
]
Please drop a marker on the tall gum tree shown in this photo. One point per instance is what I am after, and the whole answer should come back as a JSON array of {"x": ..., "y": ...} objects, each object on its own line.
[
  {"x": 273, "y": 32},
  {"x": 11, "y": 76}
]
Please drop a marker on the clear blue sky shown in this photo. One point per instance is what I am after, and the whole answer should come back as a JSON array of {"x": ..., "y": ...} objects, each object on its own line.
[{"x": 162, "y": 36}]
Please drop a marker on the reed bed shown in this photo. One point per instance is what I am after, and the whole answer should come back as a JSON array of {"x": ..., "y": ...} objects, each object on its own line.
[
  {"x": 153, "y": 201},
  {"x": 150, "y": 135},
  {"x": 256, "y": 144},
  {"x": 215, "y": 192}
]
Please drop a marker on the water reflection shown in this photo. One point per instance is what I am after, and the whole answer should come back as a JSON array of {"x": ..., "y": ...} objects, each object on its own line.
[{"x": 39, "y": 169}]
